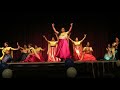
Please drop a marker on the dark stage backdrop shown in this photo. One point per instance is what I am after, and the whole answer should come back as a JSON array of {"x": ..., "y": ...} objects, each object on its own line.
[{"x": 28, "y": 27}]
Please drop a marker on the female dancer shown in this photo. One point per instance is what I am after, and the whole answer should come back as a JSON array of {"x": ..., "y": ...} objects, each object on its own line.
[
  {"x": 63, "y": 51},
  {"x": 52, "y": 46},
  {"x": 39, "y": 52},
  {"x": 87, "y": 53},
  {"x": 116, "y": 48},
  {"x": 24, "y": 53},
  {"x": 108, "y": 55},
  {"x": 77, "y": 47},
  {"x": 33, "y": 56},
  {"x": 7, "y": 52},
  {"x": 114, "y": 51},
  {"x": 117, "y": 42}
]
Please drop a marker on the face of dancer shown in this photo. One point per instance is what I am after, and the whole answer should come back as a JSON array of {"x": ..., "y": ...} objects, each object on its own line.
[
  {"x": 29, "y": 45},
  {"x": 36, "y": 46},
  {"x": 109, "y": 45},
  {"x": 76, "y": 39},
  {"x": 6, "y": 44},
  {"x": 53, "y": 39},
  {"x": 25, "y": 46},
  {"x": 88, "y": 44},
  {"x": 63, "y": 30},
  {"x": 117, "y": 39}
]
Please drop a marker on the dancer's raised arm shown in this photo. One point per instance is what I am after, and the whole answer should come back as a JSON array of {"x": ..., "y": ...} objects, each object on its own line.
[
  {"x": 71, "y": 25},
  {"x": 83, "y": 38},
  {"x": 71, "y": 40},
  {"x": 1, "y": 48},
  {"x": 16, "y": 48},
  {"x": 45, "y": 38},
  {"x": 53, "y": 26},
  {"x": 57, "y": 36}
]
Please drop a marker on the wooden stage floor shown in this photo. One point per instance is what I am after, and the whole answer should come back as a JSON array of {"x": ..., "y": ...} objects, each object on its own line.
[{"x": 40, "y": 70}]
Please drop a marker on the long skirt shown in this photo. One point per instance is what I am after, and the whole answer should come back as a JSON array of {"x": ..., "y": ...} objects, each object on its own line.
[
  {"x": 51, "y": 55},
  {"x": 77, "y": 52},
  {"x": 88, "y": 57},
  {"x": 63, "y": 51}
]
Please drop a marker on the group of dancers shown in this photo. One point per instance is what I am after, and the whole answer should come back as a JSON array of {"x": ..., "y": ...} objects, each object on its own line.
[
  {"x": 112, "y": 50},
  {"x": 58, "y": 50}
]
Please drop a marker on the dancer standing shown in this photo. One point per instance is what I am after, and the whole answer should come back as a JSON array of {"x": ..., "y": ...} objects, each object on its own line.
[
  {"x": 77, "y": 47},
  {"x": 63, "y": 51},
  {"x": 52, "y": 46},
  {"x": 87, "y": 53}
]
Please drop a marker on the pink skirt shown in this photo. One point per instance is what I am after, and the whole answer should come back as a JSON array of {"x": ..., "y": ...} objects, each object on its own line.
[
  {"x": 63, "y": 50},
  {"x": 33, "y": 58}
]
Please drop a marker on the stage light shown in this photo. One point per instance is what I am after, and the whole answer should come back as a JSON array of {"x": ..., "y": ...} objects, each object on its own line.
[
  {"x": 7, "y": 73},
  {"x": 71, "y": 72}
]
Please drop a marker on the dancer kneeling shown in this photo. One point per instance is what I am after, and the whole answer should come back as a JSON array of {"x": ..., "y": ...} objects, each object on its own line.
[
  {"x": 33, "y": 56},
  {"x": 108, "y": 55},
  {"x": 87, "y": 53}
]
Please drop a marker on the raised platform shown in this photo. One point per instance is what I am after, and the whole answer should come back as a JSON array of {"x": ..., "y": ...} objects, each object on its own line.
[{"x": 99, "y": 69}]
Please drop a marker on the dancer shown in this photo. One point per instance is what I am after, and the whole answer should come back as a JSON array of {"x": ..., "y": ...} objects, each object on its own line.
[
  {"x": 77, "y": 47},
  {"x": 39, "y": 52},
  {"x": 108, "y": 55},
  {"x": 33, "y": 56},
  {"x": 87, "y": 53},
  {"x": 117, "y": 42},
  {"x": 114, "y": 51},
  {"x": 7, "y": 52},
  {"x": 63, "y": 51},
  {"x": 24, "y": 53},
  {"x": 116, "y": 48},
  {"x": 52, "y": 46}
]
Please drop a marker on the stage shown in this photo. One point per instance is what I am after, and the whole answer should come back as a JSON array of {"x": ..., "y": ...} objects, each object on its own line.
[{"x": 41, "y": 70}]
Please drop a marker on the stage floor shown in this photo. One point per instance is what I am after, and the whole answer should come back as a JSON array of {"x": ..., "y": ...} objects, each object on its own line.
[{"x": 35, "y": 70}]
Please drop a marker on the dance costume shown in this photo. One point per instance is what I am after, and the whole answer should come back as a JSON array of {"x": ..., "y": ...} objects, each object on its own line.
[
  {"x": 52, "y": 46},
  {"x": 34, "y": 56},
  {"x": 63, "y": 50},
  {"x": 77, "y": 50},
  {"x": 87, "y": 55}
]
